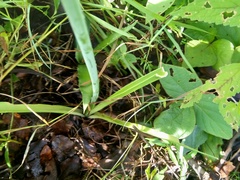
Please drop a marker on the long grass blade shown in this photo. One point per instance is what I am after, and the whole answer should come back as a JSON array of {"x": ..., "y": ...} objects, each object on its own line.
[
  {"x": 131, "y": 87},
  {"x": 77, "y": 20},
  {"x": 6, "y": 107}
]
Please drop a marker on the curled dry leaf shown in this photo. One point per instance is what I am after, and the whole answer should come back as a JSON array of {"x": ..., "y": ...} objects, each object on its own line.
[
  {"x": 226, "y": 169},
  {"x": 62, "y": 127}
]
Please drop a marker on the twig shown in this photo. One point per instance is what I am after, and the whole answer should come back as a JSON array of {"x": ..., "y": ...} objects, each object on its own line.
[{"x": 228, "y": 151}]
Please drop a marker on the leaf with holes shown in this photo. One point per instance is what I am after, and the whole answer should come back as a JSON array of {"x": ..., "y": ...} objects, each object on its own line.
[
  {"x": 226, "y": 12},
  {"x": 179, "y": 81},
  {"x": 226, "y": 84},
  {"x": 175, "y": 121}
]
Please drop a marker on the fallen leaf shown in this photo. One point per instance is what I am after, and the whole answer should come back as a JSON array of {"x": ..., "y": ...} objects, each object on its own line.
[
  {"x": 63, "y": 147},
  {"x": 226, "y": 169},
  {"x": 33, "y": 159}
]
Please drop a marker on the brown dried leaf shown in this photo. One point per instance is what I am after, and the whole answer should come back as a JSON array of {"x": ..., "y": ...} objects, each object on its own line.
[
  {"x": 50, "y": 170},
  {"x": 3, "y": 44},
  {"x": 93, "y": 131},
  {"x": 226, "y": 169},
  {"x": 62, "y": 127},
  {"x": 46, "y": 154},
  {"x": 33, "y": 159}
]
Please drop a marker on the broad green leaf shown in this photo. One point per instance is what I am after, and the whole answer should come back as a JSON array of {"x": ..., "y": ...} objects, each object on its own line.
[
  {"x": 224, "y": 50},
  {"x": 201, "y": 54},
  {"x": 226, "y": 85},
  {"x": 179, "y": 81},
  {"x": 230, "y": 33},
  {"x": 224, "y": 12},
  {"x": 236, "y": 55},
  {"x": 175, "y": 121},
  {"x": 131, "y": 87},
  {"x": 198, "y": 134},
  {"x": 158, "y": 7},
  {"x": 207, "y": 36},
  {"x": 209, "y": 118},
  {"x": 212, "y": 147},
  {"x": 85, "y": 85}
]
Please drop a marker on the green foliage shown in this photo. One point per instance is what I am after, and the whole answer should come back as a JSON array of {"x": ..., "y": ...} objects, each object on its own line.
[
  {"x": 212, "y": 147},
  {"x": 209, "y": 118},
  {"x": 158, "y": 7},
  {"x": 224, "y": 12},
  {"x": 179, "y": 81},
  {"x": 122, "y": 58},
  {"x": 201, "y": 113},
  {"x": 131, "y": 87},
  {"x": 216, "y": 48},
  {"x": 175, "y": 121},
  {"x": 226, "y": 86},
  {"x": 181, "y": 122},
  {"x": 77, "y": 19},
  {"x": 198, "y": 134},
  {"x": 85, "y": 85},
  {"x": 202, "y": 54}
]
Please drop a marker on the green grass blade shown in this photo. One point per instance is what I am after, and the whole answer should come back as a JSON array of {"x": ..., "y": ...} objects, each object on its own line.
[
  {"x": 111, "y": 38},
  {"x": 131, "y": 87},
  {"x": 147, "y": 130},
  {"x": 142, "y": 128},
  {"x": 84, "y": 85},
  {"x": 77, "y": 20},
  {"x": 143, "y": 9},
  {"x": 110, "y": 27},
  {"x": 6, "y": 107},
  {"x": 180, "y": 51}
]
